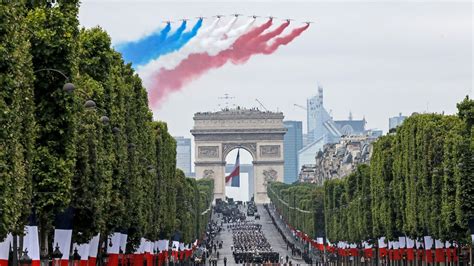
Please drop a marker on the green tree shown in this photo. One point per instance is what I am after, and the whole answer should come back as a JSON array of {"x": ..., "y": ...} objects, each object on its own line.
[
  {"x": 18, "y": 131},
  {"x": 53, "y": 39}
]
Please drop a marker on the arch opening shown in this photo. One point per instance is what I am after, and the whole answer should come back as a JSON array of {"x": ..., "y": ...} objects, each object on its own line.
[{"x": 243, "y": 188}]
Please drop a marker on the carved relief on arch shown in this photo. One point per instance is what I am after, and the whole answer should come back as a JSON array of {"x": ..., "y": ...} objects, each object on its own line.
[
  {"x": 270, "y": 175},
  {"x": 208, "y": 151},
  {"x": 208, "y": 173},
  {"x": 227, "y": 147},
  {"x": 270, "y": 151}
]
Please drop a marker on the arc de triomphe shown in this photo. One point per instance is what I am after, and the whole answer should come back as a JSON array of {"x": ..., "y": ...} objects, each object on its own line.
[{"x": 260, "y": 133}]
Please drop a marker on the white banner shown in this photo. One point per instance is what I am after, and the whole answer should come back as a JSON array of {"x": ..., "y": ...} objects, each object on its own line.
[
  {"x": 94, "y": 246},
  {"x": 428, "y": 242},
  {"x": 402, "y": 242},
  {"x": 31, "y": 242},
  {"x": 175, "y": 245},
  {"x": 5, "y": 247},
  {"x": 142, "y": 248},
  {"x": 82, "y": 250},
  {"x": 114, "y": 243},
  {"x": 382, "y": 243},
  {"x": 149, "y": 247},
  {"x": 439, "y": 244},
  {"x": 123, "y": 242},
  {"x": 163, "y": 245}
]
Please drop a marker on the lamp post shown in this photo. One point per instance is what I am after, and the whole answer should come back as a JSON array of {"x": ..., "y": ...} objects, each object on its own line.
[
  {"x": 120, "y": 257},
  {"x": 76, "y": 258},
  {"x": 56, "y": 256},
  {"x": 25, "y": 260}
]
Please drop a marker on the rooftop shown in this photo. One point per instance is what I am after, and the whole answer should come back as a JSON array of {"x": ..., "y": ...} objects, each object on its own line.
[{"x": 237, "y": 113}]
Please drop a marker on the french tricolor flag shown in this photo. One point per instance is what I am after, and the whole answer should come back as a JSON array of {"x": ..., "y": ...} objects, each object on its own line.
[
  {"x": 31, "y": 242},
  {"x": 233, "y": 179},
  {"x": 5, "y": 249},
  {"x": 93, "y": 249},
  {"x": 63, "y": 234}
]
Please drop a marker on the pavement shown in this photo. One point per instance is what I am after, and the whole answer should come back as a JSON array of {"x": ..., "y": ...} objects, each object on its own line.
[{"x": 270, "y": 232}]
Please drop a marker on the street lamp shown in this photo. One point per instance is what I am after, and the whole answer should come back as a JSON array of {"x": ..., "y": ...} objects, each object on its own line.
[
  {"x": 90, "y": 104},
  {"x": 69, "y": 87},
  {"x": 120, "y": 257},
  {"x": 76, "y": 258},
  {"x": 105, "y": 120},
  {"x": 57, "y": 255},
  {"x": 25, "y": 260}
]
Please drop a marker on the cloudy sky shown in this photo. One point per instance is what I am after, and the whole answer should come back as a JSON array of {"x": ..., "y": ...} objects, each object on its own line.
[{"x": 376, "y": 59}]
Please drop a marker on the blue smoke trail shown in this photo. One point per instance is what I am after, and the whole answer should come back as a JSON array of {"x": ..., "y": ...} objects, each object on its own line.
[
  {"x": 178, "y": 44},
  {"x": 143, "y": 50}
]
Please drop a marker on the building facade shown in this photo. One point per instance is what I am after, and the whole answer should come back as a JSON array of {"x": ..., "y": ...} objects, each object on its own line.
[
  {"x": 183, "y": 154},
  {"x": 293, "y": 142},
  {"x": 337, "y": 160},
  {"x": 321, "y": 129},
  {"x": 394, "y": 122}
]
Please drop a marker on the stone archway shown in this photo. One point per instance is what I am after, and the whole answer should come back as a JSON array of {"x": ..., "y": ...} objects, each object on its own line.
[{"x": 260, "y": 133}]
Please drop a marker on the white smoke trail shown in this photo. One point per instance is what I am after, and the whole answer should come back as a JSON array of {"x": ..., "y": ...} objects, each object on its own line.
[{"x": 223, "y": 44}]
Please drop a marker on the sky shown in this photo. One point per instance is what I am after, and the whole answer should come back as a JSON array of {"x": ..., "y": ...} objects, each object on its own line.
[{"x": 374, "y": 59}]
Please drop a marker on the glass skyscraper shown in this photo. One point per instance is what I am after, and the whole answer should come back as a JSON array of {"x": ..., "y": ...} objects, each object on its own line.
[
  {"x": 183, "y": 154},
  {"x": 293, "y": 142}
]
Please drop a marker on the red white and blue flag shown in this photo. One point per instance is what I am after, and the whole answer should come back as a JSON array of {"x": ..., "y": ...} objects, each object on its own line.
[{"x": 233, "y": 179}]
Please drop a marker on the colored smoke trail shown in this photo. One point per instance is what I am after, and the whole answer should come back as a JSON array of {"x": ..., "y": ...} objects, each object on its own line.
[
  {"x": 140, "y": 53},
  {"x": 285, "y": 39},
  {"x": 180, "y": 42},
  {"x": 256, "y": 45},
  {"x": 134, "y": 51},
  {"x": 208, "y": 36},
  {"x": 220, "y": 45},
  {"x": 253, "y": 42}
]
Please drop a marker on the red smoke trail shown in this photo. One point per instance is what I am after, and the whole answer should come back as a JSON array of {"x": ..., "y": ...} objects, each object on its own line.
[
  {"x": 254, "y": 33},
  {"x": 285, "y": 39},
  {"x": 243, "y": 54},
  {"x": 253, "y": 42}
]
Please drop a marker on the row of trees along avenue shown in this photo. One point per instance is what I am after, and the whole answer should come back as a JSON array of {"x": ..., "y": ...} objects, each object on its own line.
[
  {"x": 420, "y": 182},
  {"x": 77, "y": 133}
]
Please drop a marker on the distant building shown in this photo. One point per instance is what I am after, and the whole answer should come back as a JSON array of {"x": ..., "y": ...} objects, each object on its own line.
[
  {"x": 337, "y": 160},
  {"x": 183, "y": 154},
  {"x": 320, "y": 123},
  {"x": 394, "y": 122},
  {"x": 374, "y": 133},
  {"x": 351, "y": 127},
  {"x": 305, "y": 140},
  {"x": 321, "y": 129},
  {"x": 308, "y": 174},
  {"x": 292, "y": 142},
  {"x": 324, "y": 130}
]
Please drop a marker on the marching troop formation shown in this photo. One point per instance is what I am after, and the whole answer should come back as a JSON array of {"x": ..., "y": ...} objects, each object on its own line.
[{"x": 251, "y": 245}]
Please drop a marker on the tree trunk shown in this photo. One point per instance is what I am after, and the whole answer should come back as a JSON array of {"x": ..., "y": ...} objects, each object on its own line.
[{"x": 15, "y": 250}]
